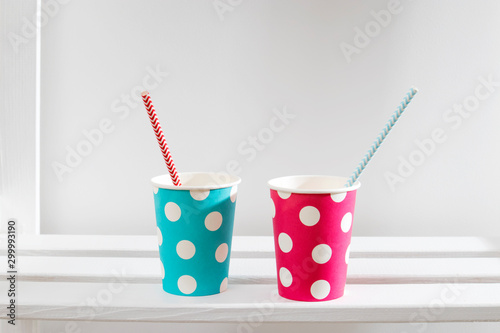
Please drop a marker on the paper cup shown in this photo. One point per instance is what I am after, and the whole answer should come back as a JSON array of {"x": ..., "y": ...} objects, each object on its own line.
[
  {"x": 195, "y": 226},
  {"x": 312, "y": 223}
]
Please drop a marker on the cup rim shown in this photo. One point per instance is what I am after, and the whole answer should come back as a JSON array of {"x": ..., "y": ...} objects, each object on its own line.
[
  {"x": 165, "y": 182},
  {"x": 274, "y": 185}
]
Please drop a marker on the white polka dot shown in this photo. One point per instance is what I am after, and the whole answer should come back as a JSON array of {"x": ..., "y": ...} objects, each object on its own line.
[
  {"x": 284, "y": 195},
  {"x": 199, "y": 195},
  {"x": 347, "y": 254},
  {"x": 234, "y": 192},
  {"x": 321, "y": 253},
  {"x": 338, "y": 197},
  {"x": 155, "y": 190},
  {"x": 221, "y": 252},
  {"x": 223, "y": 285},
  {"x": 172, "y": 211},
  {"x": 213, "y": 221},
  {"x": 160, "y": 236},
  {"x": 273, "y": 208},
  {"x": 320, "y": 289},
  {"x": 162, "y": 271},
  {"x": 285, "y": 242},
  {"x": 346, "y": 222},
  {"x": 185, "y": 249},
  {"x": 186, "y": 284},
  {"x": 309, "y": 215},
  {"x": 286, "y": 278}
]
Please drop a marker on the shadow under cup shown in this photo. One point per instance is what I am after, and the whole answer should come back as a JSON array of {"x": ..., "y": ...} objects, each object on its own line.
[
  {"x": 195, "y": 226},
  {"x": 312, "y": 224}
]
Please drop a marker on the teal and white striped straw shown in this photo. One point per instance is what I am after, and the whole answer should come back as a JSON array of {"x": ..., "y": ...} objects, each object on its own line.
[{"x": 380, "y": 138}]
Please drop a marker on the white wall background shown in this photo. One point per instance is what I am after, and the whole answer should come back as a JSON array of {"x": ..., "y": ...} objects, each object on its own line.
[{"x": 227, "y": 76}]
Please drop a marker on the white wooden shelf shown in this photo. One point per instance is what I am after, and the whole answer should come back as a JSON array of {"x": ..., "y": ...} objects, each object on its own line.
[
  {"x": 362, "y": 303},
  {"x": 257, "y": 246},
  {"x": 261, "y": 270},
  {"x": 389, "y": 280}
]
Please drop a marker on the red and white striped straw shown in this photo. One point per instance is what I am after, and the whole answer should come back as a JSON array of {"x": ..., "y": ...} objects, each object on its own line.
[{"x": 161, "y": 139}]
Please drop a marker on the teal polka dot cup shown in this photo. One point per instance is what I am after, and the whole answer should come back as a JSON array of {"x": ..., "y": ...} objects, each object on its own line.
[{"x": 195, "y": 227}]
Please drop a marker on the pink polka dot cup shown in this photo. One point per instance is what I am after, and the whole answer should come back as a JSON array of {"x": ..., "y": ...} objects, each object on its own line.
[{"x": 312, "y": 224}]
